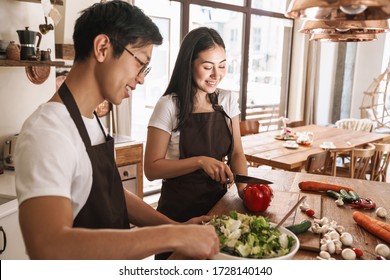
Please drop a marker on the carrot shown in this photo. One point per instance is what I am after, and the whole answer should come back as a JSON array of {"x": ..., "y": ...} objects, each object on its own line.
[
  {"x": 376, "y": 227},
  {"x": 320, "y": 186}
]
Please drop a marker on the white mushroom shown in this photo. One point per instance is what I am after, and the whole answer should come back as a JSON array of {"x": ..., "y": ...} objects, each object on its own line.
[
  {"x": 346, "y": 238},
  {"x": 334, "y": 235},
  {"x": 333, "y": 224},
  {"x": 325, "y": 255},
  {"x": 339, "y": 201},
  {"x": 382, "y": 250},
  {"x": 339, "y": 248},
  {"x": 304, "y": 206},
  {"x": 331, "y": 248},
  {"x": 348, "y": 254},
  {"x": 324, "y": 247},
  {"x": 324, "y": 221},
  {"x": 316, "y": 228},
  {"x": 381, "y": 212},
  {"x": 338, "y": 243},
  {"x": 324, "y": 228},
  {"x": 340, "y": 229}
]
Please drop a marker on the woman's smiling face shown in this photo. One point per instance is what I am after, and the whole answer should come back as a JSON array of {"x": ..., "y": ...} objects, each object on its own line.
[{"x": 209, "y": 69}]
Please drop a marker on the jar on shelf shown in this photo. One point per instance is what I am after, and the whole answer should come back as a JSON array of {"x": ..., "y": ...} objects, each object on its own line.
[{"x": 13, "y": 51}]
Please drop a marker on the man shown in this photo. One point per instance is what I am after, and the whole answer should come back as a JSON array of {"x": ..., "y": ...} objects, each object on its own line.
[{"x": 72, "y": 204}]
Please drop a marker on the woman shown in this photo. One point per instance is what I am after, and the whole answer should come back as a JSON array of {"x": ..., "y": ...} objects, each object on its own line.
[{"x": 193, "y": 129}]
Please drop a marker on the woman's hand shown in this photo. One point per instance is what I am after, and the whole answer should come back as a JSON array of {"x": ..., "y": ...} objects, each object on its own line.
[
  {"x": 217, "y": 170},
  {"x": 199, "y": 220}
]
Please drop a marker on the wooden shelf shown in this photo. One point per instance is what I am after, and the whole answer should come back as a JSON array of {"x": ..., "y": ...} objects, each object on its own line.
[
  {"x": 54, "y": 2},
  {"x": 15, "y": 63}
]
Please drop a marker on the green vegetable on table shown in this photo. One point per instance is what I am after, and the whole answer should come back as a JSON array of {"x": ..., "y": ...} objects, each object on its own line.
[
  {"x": 250, "y": 236},
  {"x": 300, "y": 228}
]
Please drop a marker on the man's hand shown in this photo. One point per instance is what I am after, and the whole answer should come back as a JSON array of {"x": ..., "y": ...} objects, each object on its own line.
[{"x": 197, "y": 242}]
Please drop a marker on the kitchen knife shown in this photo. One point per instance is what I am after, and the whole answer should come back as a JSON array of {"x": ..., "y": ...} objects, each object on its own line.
[{"x": 249, "y": 180}]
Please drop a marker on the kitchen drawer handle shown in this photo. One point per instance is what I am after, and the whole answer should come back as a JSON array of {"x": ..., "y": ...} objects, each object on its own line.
[
  {"x": 5, "y": 240},
  {"x": 126, "y": 173}
]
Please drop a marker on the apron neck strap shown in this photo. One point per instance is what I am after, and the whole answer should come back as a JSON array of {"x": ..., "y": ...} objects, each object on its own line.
[{"x": 75, "y": 114}]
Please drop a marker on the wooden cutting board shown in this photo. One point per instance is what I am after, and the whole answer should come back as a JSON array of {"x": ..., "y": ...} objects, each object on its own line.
[{"x": 281, "y": 203}]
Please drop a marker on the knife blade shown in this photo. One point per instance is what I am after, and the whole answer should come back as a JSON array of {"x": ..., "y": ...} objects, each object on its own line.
[{"x": 249, "y": 180}]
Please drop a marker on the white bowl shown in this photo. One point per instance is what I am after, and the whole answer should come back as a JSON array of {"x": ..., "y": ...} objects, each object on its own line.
[{"x": 294, "y": 249}]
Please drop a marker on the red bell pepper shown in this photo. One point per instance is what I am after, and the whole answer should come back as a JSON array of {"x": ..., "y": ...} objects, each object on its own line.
[{"x": 257, "y": 197}]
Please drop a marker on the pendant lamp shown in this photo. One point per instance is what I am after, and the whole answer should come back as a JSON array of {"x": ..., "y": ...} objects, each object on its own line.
[
  {"x": 339, "y": 9},
  {"x": 345, "y": 27},
  {"x": 342, "y": 38}
]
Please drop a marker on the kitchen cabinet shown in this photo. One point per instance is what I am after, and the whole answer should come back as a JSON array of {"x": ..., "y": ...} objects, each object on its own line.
[
  {"x": 11, "y": 240},
  {"x": 9, "y": 220},
  {"x": 129, "y": 159}
]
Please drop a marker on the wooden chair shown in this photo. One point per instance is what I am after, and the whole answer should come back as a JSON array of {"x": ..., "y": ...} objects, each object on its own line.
[
  {"x": 337, "y": 166},
  {"x": 318, "y": 163},
  {"x": 356, "y": 124},
  {"x": 380, "y": 162},
  {"x": 357, "y": 167},
  {"x": 296, "y": 123},
  {"x": 249, "y": 127}
]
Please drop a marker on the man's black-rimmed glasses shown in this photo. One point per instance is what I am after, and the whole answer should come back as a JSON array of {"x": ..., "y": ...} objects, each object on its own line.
[{"x": 144, "y": 69}]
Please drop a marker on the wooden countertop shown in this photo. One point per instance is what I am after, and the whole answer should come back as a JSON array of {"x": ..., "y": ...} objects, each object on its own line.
[{"x": 287, "y": 192}]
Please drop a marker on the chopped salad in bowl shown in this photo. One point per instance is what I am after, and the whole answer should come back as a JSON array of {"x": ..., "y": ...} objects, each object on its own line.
[{"x": 249, "y": 236}]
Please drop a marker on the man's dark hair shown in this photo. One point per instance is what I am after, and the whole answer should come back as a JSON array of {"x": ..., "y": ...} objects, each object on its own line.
[{"x": 119, "y": 20}]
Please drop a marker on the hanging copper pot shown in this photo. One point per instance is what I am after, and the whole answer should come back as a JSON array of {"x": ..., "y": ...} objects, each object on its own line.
[
  {"x": 103, "y": 108},
  {"x": 339, "y": 9},
  {"x": 345, "y": 26},
  {"x": 342, "y": 38}
]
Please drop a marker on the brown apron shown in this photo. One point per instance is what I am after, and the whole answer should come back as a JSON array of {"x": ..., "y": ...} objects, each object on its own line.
[
  {"x": 194, "y": 194},
  {"x": 105, "y": 206}
]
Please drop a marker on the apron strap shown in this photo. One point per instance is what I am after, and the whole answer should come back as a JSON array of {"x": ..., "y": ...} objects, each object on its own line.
[
  {"x": 75, "y": 114},
  {"x": 106, "y": 136},
  {"x": 217, "y": 107}
]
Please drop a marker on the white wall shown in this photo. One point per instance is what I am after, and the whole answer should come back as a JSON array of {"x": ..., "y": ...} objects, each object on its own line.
[
  {"x": 369, "y": 60},
  {"x": 18, "y": 96}
]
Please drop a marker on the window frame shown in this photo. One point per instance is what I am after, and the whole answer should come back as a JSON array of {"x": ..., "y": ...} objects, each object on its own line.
[{"x": 247, "y": 11}]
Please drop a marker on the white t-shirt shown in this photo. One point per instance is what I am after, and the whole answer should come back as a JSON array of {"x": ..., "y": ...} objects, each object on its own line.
[
  {"x": 165, "y": 112},
  {"x": 51, "y": 158}
]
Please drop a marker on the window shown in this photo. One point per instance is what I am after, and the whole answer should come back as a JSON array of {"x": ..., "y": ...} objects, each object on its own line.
[
  {"x": 258, "y": 43},
  {"x": 269, "y": 46},
  {"x": 278, "y": 6},
  {"x": 258, "y": 68}
]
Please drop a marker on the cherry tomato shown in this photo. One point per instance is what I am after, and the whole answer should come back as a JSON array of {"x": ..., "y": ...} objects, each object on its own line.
[
  {"x": 257, "y": 197},
  {"x": 310, "y": 212},
  {"x": 358, "y": 252}
]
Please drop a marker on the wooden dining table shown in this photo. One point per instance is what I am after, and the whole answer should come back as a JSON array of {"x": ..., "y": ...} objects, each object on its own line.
[
  {"x": 264, "y": 149},
  {"x": 287, "y": 193}
]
